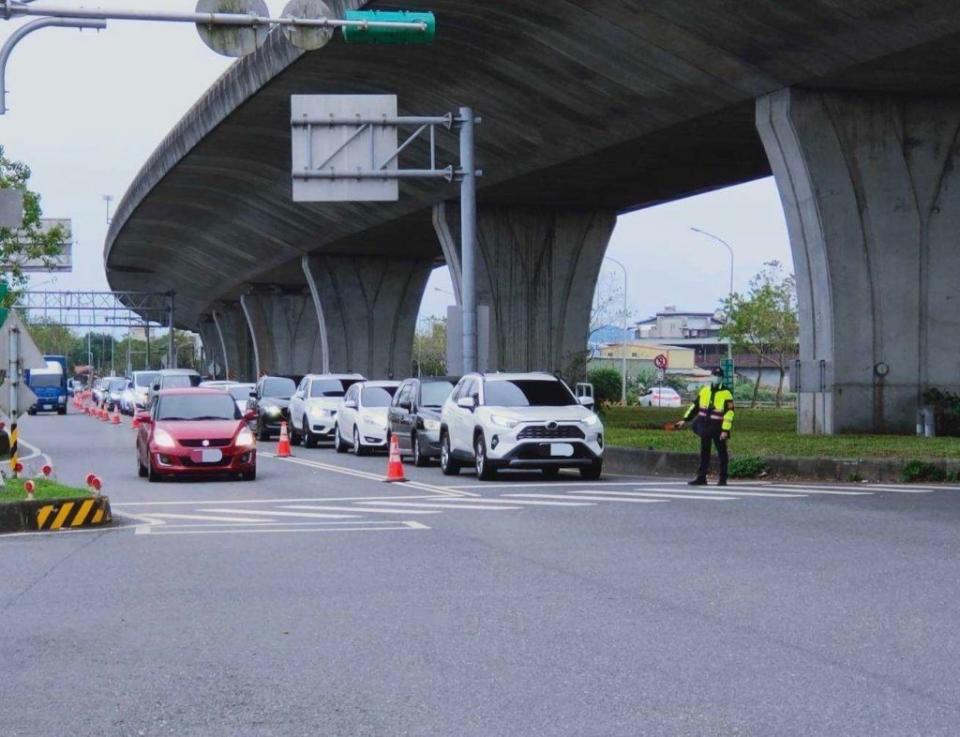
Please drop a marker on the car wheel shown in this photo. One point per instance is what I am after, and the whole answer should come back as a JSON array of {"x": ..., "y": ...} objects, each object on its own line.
[
  {"x": 249, "y": 475},
  {"x": 592, "y": 472},
  {"x": 338, "y": 444},
  {"x": 61, "y": 410},
  {"x": 485, "y": 469},
  {"x": 153, "y": 476},
  {"x": 308, "y": 439},
  {"x": 262, "y": 432},
  {"x": 295, "y": 437},
  {"x": 448, "y": 466},
  {"x": 141, "y": 471},
  {"x": 358, "y": 449},
  {"x": 419, "y": 459},
  {"x": 550, "y": 472}
]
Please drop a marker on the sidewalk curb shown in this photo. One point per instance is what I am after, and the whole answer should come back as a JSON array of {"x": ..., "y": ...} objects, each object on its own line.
[
  {"x": 41, "y": 515},
  {"x": 637, "y": 461}
]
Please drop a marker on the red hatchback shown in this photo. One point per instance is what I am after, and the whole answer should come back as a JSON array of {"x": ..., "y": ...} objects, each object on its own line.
[{"x": 191, "y": 432}]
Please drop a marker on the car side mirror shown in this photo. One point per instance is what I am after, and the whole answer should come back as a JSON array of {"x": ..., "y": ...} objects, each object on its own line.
[
  {"x": 253, "y": 395},
  {"x": 587, "y": 401},
  {"x": 404, "y": 406},
  {"x": 467, "y": 403},
  {"x": 144, "y": 418},
  {"x": 249, "y": 415},
  {"x": 350, "y": 404},
  {"x": 156, "y": 387}
]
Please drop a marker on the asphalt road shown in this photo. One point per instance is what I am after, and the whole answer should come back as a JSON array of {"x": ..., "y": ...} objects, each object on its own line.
[{"x": 321, "y": 601}]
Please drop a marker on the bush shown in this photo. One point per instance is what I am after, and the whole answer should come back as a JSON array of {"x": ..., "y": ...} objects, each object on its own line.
[
  {"x": 921, "y": 471},
  {"x": 749, "y": 467},
  {"x": 606, "y": 385},
  {"x": 946, "y": 409}
]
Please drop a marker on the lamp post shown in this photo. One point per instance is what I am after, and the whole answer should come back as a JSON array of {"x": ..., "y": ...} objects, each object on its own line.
[
  {"x": 623, "y": 346},
  {"x": 726, "y": 245}
]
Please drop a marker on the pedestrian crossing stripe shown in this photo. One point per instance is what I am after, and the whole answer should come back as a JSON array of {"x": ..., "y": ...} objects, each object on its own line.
[{"x": 80, "y": 513}]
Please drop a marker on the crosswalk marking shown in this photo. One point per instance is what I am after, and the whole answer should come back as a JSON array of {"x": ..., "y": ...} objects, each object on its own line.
[
  {"x": 453, "y": 506},
  {"x": 663, "y": 495},
  {"x": 365, "y": 510},
  {"x": 275, "y": 513},
  {"x": 206, "y": 518},
  {"x": 775, "y": 491},
  {"x": 677, "y": 493},
  {"x": 496, "y": 500},
  {"x": 584, "y": 498}
]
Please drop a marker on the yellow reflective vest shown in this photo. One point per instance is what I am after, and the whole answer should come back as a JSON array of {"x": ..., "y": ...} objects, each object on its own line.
[{"x": 713, "y": 405}]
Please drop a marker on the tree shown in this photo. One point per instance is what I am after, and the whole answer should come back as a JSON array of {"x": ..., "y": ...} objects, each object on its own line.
[
  {"x": 30, "y": 241},
  {"x": 430, "y": 349},
  {"x": 53, "y": 338},
  {"x": 764, "y": 322},
  {"x": 607, "y": 385}
]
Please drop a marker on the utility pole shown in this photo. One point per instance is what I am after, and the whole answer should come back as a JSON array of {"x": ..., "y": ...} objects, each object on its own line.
[
  {"x": 468, "y": 239},
  {"x": 623, "y": 337}
]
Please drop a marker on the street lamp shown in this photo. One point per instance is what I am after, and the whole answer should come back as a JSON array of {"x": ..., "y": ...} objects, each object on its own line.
[
  {"x": 108, "y": 198},
  {"x": 726, "y": 245},
  {"x": 623, "y": 337}
]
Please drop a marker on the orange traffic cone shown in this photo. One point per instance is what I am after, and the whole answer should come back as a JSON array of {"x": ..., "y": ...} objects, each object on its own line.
[
  {"x": 135, "y": 422},
  {"x": 283, "y": 447},
  {"x": 116, "y": 416},
  {"x": 104, "y": 415},
  {"x": 395, "y": 463}
]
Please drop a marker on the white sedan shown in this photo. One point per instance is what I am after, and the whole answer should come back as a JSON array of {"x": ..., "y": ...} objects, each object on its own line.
[
  {"x": 660, "y": 396},
  {"x": 362, "y": 417}
]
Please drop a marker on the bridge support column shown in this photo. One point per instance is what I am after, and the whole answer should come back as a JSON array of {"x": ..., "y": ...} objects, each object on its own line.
[
  {"x": 870, "y": 186},
  {"x": 537, "y": 271},
  {"x": 369, "y": 305},
  {"x": 285, "y": 328},
  {"x": 230, "y": 342}
]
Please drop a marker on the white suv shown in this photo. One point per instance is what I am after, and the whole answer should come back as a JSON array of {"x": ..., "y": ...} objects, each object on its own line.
[
  {"x": 313, "y": 407},
  {"x": 519, "y": 421}
]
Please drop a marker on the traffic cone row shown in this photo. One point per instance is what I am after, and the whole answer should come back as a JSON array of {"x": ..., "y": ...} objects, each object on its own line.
[
  {"x": 283, "y": 446},
  {"x": 395, "y": 470}
]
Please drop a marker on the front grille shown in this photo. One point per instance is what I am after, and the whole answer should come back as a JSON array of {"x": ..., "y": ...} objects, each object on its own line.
[
  {"x": 542, "y": 432},
  {"x": 189, "y": 462},
  {"x": 214, "y": 443}
]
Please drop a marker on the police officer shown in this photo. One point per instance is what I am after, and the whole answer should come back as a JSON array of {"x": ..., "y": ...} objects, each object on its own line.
[{"x": 712, "y": 415}]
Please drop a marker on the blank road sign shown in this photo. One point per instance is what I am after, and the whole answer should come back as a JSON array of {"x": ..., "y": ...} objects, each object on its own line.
[
  {"x": 11, "y": 208},
  {"x": 326, "y": 140}
]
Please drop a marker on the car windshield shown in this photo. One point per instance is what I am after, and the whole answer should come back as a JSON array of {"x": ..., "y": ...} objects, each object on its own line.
[
  {"x": 330, "y": 387},
  {"x": 378, "y": 396},
  {"x": 118, "y": 385},
  {"x": 146, "y": 378},
  {"x": 278, "y": 387},
  {"x": 434, "y": 393},
  {"x": 527, "y": 393},
  {"x": 242, "y": 391},
  {"x": 179, "y": 381},
  {"x": 197, "y": 407},
  {"x": 39, "y": 380}
]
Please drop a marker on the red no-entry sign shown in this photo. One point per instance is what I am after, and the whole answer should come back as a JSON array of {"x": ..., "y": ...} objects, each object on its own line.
[{"x": 661, "y": 362}]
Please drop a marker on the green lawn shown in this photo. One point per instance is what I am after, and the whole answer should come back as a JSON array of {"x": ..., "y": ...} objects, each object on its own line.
[
  {"x": 13, "y": 491},
  {"x": 766, "y": 433}
]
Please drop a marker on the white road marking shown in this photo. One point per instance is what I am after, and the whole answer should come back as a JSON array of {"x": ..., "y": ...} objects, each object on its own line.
[
  {"x": 396, "y": 527},
  {"x": 196, "y": 501},
  {"x": 563, "y": 483},
  {"x": 773, "y": 491},
  {"x": 524, "y": 503},
  {"x": 817, "y": 489},
  {"x": 205, "y": 517},
  {"x": 366, "y": 510},
  {"x": 581, "y": 497},
  {"x": 439, "y": 505},
  {"x": 708, "y": 495},
  {"x": 662, "y": 495},
  {"x": 275, "y": 513}
]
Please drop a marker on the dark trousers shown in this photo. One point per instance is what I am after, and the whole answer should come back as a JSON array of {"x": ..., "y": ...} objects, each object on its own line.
[{"x": 705, "y": 441}]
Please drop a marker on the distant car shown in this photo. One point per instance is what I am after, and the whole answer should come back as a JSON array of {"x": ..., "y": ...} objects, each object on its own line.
[
  {"x": 660, "y": 396},
  {"x": 521, "y": 421},
  {"x": 193, "y": 432},
  {"x": 362, "y": 417},
  {"x": 216, "y": 384},
  {"x": 270, "y": 401},
  {"x": 99, "y": 385},
  {"x": 173, "y": 379},
  {"x": 414, "y": 416},
  {"x": 111, "y": 391},
  {"x": 241, "y": 394},
  {"x": 313, "y": 408},
  {"x": 128, "y": 398},
  {"x": 143, "y": 381}
]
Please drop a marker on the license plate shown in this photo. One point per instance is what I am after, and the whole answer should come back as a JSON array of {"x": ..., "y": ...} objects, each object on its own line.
[
  {"x": 211, "y": 455},
  {"x": 561, "y": 450},
  {"x": 48, "y": 406}
]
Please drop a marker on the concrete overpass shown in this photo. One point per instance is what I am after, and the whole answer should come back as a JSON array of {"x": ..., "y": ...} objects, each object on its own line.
[{"x": 590, "y": 109}]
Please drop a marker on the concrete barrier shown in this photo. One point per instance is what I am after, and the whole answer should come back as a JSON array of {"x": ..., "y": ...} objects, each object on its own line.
[{"x": 55, "y": 514}]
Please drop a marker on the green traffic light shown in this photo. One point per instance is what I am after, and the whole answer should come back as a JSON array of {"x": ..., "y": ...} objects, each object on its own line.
[{"x": 387, "y": 35}]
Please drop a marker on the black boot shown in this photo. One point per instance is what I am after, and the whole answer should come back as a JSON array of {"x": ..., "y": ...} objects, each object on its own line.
[
  {"x": 722, "y": 482},
  {"x": 698, "y": 481}
]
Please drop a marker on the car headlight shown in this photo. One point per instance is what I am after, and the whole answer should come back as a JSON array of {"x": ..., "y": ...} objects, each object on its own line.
[
  {"x": 245, "y": 438},
  {"x": 433, "y": 425},
  {"x": 163, "y": 439},
  {"x": 272, "y": 411},
  {"x": 590, "y": 421},
  {"x": 503, "y": 421},
  {"x": 319, "y": 412},
  {"x": 375, "y": 421}
]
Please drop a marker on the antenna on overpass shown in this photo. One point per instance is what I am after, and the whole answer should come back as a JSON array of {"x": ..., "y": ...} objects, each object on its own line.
[{"x": 231, "y": 27}]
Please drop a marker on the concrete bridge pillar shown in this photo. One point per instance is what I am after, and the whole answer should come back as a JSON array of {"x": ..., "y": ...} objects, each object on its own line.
[
  {"x": 537, "y": 271},
  {"x": 870, "y": 185},
  {"x": 283, "y": 325},
  {"x": 212, "y": 349},
  {"x": 229, "y": 341},
  {"x": 369, "y": 308}
]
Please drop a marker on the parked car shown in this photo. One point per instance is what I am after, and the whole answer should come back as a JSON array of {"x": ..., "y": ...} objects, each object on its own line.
[
  {"x": 362, "y": 417},
  {"x": 520, "y": 421},
  {"x": 111, "y": 392},
  {"x": 128, "y": 398},
  {"x": 660, "y": 396},
  {"x": 99, "y": 389},
  {"x": 173, "y": 379},
  {"x": 414, "y": 416},
  {"x": 143, "y": 381},
  {"x": 195, "y": 431},
  {"x": 241, "y": 394},
  {"x": 216, "y": 383},
  {"x": 313, "y": 408},
  {"x": 270, "y": 401}
]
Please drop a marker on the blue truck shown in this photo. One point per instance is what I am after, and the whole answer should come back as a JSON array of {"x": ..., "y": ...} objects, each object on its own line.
[{"x": 50, "y": 386}]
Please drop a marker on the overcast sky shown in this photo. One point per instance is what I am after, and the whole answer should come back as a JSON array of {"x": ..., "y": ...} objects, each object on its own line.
[{"x": 88, "y": 108}]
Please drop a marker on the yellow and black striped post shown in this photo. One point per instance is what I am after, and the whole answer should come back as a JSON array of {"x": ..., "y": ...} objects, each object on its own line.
[
  {"x": 75, "y": 513},
  {"x": 14, "y": 449}
]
